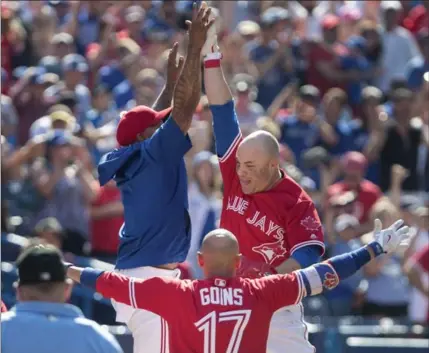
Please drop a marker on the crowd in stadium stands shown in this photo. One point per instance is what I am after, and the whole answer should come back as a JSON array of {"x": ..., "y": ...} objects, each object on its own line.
[{"x": 344, "y": 85}]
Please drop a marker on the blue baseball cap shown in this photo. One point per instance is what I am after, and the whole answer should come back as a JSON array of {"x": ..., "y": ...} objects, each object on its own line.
[
  {"x": 356, "y": 42},
  {"x": 18, "y": 72},
  {"x": 51, "y": 64},
  {"x": 59, "y": 138},
  {"x": 273, "y": 15},
  {"x": 74, "y": 62}
]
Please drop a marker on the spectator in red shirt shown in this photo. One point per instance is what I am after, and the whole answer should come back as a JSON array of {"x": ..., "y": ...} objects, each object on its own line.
[
  {"x": 354, "y": 168},
  {"x": 323, "y": 70},
  {"x": 106, "y": 220}
]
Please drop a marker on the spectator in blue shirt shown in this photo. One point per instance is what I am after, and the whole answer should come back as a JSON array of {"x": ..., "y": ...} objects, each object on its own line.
[
  {"x": 100, "y": 123},
  {"x": 271, "y": 56},
  {"x": 42, "y": 314},
  {"x": 300, "y": 131},
  {"x": 419, "y": 65},
  {"x": 355, "y": 60}
]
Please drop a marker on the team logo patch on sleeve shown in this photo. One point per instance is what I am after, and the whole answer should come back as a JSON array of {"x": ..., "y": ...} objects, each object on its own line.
[
  {"x": 330, "y": 280},
  {"x": 310, "y": 223}
]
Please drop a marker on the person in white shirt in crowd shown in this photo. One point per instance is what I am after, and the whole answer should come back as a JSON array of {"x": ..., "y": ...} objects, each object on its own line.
[
  {"x": 399, "y": 45},
  {"x": 204, "y": 203}
]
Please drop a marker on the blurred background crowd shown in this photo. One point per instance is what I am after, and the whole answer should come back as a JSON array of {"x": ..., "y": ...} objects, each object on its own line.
[{"x": 344, "y": 85}]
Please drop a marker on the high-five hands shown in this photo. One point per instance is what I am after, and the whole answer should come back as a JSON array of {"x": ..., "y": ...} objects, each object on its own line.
[
  {"x": 200, "y": 25},
  {"x": 392, "y": 239}
]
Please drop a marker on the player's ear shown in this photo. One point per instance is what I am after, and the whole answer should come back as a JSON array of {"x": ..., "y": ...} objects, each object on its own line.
[
  {"x": 200, "y": 259},
  {"x": 238, "y": 262}
]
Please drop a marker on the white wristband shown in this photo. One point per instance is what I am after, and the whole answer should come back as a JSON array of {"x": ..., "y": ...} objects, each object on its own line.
[{"x": 213, "y": 56}]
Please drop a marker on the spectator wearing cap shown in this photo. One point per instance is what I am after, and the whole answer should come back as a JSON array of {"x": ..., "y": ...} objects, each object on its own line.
[
  {"x": 62, "y": 45},
  {"x": 42, "y": 312},
  {"x": 366, "y": 133},
  {"x": 354, "y": 166},
  {"x": 134, "y": 17},
  {"x": 9, "y": 119},
  {"x": 373, "y": 48},
  {"x": 69, "y": 188},
  {"x": 248, "y": 111},
  {"x": 335, "y": 137},
  {"x": 403, "y": 138},
  {"x": 131, "y": 64},
  {"x": 355, "y": 59},
  {"x": 300, "y": 130},
  {"x": 271, "y": 56},
  {"x": 51, "y": 64},
  {"x": 28, "y": 99},
  {"x": 49, "y": 231},
  {"x": 59, "y": 117},
  {"x": 83, "y": 22},
  {"x": 399, "y": 45},
  {"x": 75, "y": 70},
  {"x": 324, "y": 70},
  {"x": 100, "y": 122},
  {"x": 204, "y": 203},
  {"x": 418, "y": 65},
  {"x": 341, "y": 299}
]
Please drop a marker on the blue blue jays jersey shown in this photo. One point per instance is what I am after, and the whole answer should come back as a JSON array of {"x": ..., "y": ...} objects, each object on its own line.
[{"x": 151, "y": 176}]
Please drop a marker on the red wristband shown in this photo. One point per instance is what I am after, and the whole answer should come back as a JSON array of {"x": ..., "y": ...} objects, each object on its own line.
[{"x": 211, "y": 63}]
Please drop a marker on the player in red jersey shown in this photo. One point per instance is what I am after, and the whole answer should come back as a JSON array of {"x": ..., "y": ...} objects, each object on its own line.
[
  {"x": 224, "y": 313},
  {"x": 275, "y": 221}
]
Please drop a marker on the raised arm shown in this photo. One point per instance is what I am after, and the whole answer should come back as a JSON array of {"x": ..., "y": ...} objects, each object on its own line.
[
  {"x": 153, "y": 294},
  {"x": 188, "y": 88},
  {"x": 174, "y": 68},
  {"x": 225, "y": 124}
]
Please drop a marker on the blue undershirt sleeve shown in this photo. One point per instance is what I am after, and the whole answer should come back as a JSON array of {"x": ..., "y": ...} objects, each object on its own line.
[
  {"x": 307, "y": 255},
  {"x": 89, "y": 277}
]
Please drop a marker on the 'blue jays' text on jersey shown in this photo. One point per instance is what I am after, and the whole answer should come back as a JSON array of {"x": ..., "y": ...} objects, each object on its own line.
[{"x": 152, "y": 178}]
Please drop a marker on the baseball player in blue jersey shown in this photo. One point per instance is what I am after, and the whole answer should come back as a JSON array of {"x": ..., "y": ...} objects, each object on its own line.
[{"x": 150, "y": 172}]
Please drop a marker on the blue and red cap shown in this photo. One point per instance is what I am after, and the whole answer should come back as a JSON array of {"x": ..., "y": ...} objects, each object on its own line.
[{"x": 136, "y": 121}]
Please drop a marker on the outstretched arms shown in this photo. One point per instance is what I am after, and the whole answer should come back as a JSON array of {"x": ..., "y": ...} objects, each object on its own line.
[
  {"x": 290, "y": 289},
  {"x": 153, "y": 294},
  {"x": 188, "y": 88}
]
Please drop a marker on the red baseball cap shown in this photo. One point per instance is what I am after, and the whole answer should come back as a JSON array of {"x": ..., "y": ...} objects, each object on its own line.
[
  {"x": 330, "y": 21},
  {"x": 136, "y": 121}
]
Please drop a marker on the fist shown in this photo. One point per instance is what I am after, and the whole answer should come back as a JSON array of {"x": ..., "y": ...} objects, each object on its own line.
[{"x": 399, "y": 173}]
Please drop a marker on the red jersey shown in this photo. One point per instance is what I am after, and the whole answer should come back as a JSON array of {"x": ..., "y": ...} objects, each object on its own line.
[
  {"x": 217, "y": 315},
  {"x": 105, "y": 230},
  {"x": 367, "y": 196},
  {"x": 319, "y": 52},
  {"x": 269, "y": 225}
]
